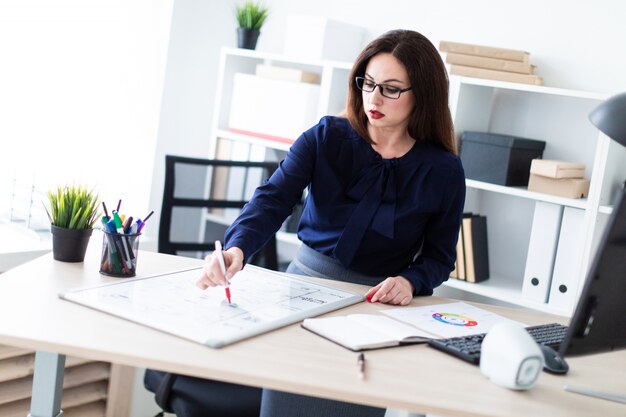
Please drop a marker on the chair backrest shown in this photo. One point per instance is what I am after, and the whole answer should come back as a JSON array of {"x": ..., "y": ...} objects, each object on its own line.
[{"x": 211, "y": 191}]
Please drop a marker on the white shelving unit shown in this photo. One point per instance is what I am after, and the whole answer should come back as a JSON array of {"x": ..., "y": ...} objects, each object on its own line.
[
  {"x": 556, "y": 116},
  {"x": 331, "y": 100},
  {"x": 228, "y": 144}
]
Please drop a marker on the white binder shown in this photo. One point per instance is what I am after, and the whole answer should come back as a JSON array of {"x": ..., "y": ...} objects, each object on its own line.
[
  {"x": 544, "y": 238},
  {"x": 567, "y": 264}
]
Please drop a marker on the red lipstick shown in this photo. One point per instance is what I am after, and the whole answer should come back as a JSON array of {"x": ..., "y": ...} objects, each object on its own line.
[{"x": 376, "y": 115}]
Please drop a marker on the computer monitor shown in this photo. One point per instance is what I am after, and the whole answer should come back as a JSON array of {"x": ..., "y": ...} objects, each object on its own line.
[{"x": 599, "y": 322}]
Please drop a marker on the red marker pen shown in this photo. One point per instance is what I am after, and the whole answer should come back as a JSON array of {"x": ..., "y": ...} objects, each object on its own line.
[{"x": 220, "y": 260}]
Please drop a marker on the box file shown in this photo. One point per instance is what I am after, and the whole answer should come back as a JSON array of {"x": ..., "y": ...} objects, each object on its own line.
[
  {"x": 568, "y": 260},
  {"x": 544, "y": 237},
  {"x": 259, "y": 107},
  {"x": 499, "y": 159}
]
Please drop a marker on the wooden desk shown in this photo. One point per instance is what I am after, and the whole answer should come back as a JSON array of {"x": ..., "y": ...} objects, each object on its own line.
[{"x": 415, "y": 378}]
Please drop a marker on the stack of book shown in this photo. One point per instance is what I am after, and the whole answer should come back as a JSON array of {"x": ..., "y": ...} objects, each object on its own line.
[
  {"x": 562, "y": 178},
  {"x": 488, "y": 62},
  {"x": 472, "y": 255}
]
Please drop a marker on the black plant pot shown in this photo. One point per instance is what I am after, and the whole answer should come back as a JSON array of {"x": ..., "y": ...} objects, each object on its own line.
[
  {"x": 246, "y": 38},
  {"x": 69, "y": 245}
]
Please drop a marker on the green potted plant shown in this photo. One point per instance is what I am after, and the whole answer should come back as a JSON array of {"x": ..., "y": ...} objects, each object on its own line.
[
  {"x": 73, "y": 212},
  {"x": 251, "y": 16}
]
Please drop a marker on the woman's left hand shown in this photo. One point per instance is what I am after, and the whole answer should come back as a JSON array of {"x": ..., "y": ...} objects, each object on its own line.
[{"x": 394, "y": 290}]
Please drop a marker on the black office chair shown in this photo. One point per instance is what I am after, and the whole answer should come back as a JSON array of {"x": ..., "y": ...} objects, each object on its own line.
[{"x": 223, "y": 188}]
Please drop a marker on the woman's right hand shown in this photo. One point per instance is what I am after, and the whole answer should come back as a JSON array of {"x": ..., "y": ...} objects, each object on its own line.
[{"x": 212, "y": 274}]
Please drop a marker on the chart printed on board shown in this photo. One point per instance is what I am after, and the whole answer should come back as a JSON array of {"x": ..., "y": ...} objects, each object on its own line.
[{"x": 262, "y": 300}]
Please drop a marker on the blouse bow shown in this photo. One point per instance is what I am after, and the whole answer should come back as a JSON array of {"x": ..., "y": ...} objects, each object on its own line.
[{"x": 375, "y": 189}]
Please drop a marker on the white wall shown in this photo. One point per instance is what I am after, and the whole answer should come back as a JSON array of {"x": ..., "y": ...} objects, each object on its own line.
[
  {"x": 199, "y": 29},
  {"x": 575, "y": 45},
  {"x": 80, "y": 89}
]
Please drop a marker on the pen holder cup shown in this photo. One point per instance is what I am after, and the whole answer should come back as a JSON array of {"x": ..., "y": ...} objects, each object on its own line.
[{"x": 119, "y": 254}]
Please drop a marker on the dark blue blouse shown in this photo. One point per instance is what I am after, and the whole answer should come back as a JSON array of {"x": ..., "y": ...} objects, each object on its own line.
[{"x": 380, "y": 217}]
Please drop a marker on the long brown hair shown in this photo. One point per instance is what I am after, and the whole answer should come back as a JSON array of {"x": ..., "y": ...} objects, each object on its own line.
[{"x": 430, "y": 120}]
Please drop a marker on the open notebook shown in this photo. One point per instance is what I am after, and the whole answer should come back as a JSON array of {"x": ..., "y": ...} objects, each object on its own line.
[
  {"x": 405, "y": 325},
  {"x": 365, "y": 331}
]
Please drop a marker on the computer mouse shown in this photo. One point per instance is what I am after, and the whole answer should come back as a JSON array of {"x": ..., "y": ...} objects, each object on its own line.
[{"x": 553, "y": 362}]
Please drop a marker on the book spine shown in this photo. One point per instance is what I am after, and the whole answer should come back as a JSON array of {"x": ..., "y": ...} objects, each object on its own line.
[
  {"x": 489, "y": 63},
  {"x": 468, "y": 247},
  {"x": 459, "y": 271},
  {"x": 481, "y": 249},
  {"x": 476, "y": 248},
  {"x": 480, "y": 50},
  {"x": 495, "y": 75}
]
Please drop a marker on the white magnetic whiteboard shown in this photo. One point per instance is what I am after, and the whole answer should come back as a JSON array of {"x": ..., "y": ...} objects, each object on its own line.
[{"x": 262, "y": 300}]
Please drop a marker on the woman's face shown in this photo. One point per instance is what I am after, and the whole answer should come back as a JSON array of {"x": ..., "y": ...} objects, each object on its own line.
[{"x": 385, "y": 112}]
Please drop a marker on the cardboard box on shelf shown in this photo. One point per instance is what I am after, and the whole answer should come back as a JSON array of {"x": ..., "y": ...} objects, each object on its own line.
[
  {"x": 562, "y": 187},
  {"x": 287, "y": 74},
  {"x": 317, "y": 37},
  {"x": 557, "y": 169}
]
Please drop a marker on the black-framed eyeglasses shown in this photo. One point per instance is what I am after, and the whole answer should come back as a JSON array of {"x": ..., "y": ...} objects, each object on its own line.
[{"x": 388, "y": 91}]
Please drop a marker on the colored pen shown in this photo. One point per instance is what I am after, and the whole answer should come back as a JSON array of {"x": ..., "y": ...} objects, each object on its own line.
[
  {"x": 127, "y": 224},
  {"x": 148, "y": 216},
  {"x": 117, "y": 221},
  {"x": 361, "y": 364},
  {"x": 120, "y": 230},
  {"x": 104, "y": 228},
  {"x": 128, "y": 229},
  {"x": 116, "y": 250},
  {"x": 220, "y": 260},
  {"x": 106, "y": 212},
  {"x": 143, "y": 223}
]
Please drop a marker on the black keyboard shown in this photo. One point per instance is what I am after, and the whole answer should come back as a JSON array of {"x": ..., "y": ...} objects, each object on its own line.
[{"x": 468, "y": 347}]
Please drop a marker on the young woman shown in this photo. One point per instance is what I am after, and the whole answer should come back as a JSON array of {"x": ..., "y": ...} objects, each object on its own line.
[{"x": 386, "y": 193}]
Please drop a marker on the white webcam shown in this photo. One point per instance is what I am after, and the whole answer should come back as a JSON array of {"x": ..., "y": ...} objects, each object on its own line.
[{"x": 510, "y": 357}]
